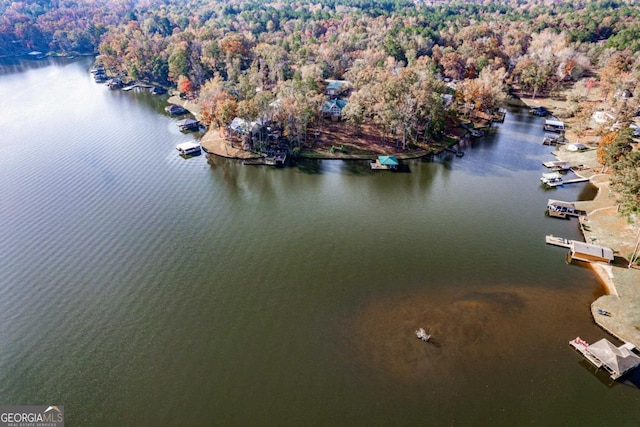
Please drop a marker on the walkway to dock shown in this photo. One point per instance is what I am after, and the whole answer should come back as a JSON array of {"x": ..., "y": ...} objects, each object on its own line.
[{"x": 569, "y": 181}]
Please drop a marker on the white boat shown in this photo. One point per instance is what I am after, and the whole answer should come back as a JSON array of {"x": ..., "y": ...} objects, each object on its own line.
[
  {"x": 423, "y": 335},
  {"x": 550, "y": 177},
  {"x": 188, "y": 148}
]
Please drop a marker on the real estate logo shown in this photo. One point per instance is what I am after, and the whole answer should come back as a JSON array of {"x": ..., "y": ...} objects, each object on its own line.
[{"x": 32, "y": 416}]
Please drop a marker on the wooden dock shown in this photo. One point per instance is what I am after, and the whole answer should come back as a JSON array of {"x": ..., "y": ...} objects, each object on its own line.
[
  {"x": 378, "y": 166},
  {"x": 581, "y": 347},
  {"x": 136, "y": 86},
  {"x": 558, "y": 241}
]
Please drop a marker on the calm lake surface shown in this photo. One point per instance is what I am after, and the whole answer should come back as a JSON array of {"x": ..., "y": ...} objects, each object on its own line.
[{"x": 141, "y": 288}]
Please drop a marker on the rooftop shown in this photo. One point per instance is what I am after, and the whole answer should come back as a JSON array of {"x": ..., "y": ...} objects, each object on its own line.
[{"x": 617, "y": 360}]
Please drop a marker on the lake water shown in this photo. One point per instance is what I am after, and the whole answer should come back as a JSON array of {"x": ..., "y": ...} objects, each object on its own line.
[{"x": 141, "y": 288}]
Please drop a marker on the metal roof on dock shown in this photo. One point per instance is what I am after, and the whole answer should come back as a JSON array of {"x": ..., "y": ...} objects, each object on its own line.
[
  {"x": 587, "y": 252},
  {"x": 388, "y": 160},
  {"x": 616, "y": 360}
]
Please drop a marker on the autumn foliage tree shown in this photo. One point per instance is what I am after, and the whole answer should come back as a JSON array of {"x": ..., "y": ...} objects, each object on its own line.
[
  {"x": 604, "y": 146},
  {"x": 185, "y": 85}
]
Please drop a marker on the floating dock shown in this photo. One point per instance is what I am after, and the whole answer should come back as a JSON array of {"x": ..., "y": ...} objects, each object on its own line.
[
  {"x": 560, "y": 209},
  {"x": 137, "y": 86},
  {"x": 557, "y": 165},
  {"x": 604, "y": 354}
]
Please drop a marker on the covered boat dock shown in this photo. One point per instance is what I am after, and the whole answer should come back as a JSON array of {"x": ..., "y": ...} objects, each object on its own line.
[
  {"x": 587, "y": 252},
  {"x": 557, "y": 165},
  {"x": 560, "y": 209},
  {"x": 552, "y": 125},
  {"x": 385, "y": 163},
  {"x": 604, "y": 354},
  {"x": 188, "y": 124},
  {"x": 582, "y": 251}
]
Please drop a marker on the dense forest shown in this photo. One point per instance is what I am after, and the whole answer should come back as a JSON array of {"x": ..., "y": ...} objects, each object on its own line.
[{"x": 241, "y": 58}]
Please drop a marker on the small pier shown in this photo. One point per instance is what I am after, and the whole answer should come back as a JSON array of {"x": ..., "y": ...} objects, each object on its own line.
[
  {"x": 137, "y": 86},
  {"x": 604, "y": 354},
  {"x": 581, "y": 347},
  {"x": 557, "y": 241}
]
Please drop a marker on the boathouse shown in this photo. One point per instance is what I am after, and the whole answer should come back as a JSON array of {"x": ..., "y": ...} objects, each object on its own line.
[
  {"x": 554, "y": 125},
  {"x": 586, "y": 252},
  {"x": 604, "y": 354},
  {"x": 188, "y": 124},
  {"x": 581, "y": 251},
  {"x": 557, "y": 165},
  {"x": 174, "y": 109},
  {"x": 560, "y": 209},
  {"x": 188, "y": 148},
  {"x": 385, "y": 162}
]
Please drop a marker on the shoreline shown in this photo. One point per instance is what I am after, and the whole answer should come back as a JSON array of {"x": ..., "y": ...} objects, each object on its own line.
[
  {"x": 622, "y": 287},
  {"x": 213, "y": 143},
  {"x": 604, "y": 226}
]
